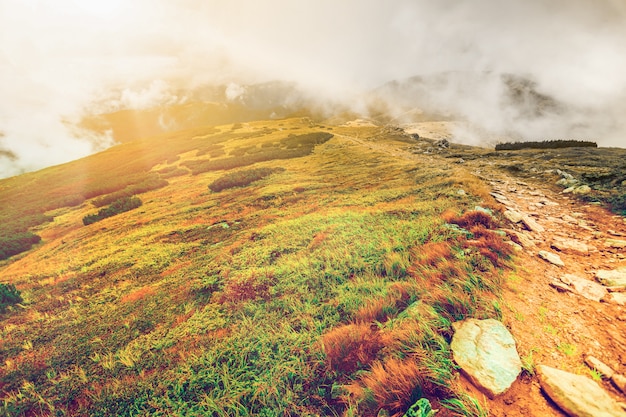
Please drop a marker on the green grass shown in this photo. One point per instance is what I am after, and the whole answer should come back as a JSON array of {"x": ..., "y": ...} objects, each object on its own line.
[{"x": 229, "y": 303}]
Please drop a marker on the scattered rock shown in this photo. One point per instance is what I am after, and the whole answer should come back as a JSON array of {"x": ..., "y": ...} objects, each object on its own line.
[
  {"x": 582, "y": 190},
  {"x": 584, "y": 287},
  {"x": 500, "y": 198},
  {"x": 619, "y": 381},
  {"x": 531, "y": 224},
  {"x": 615, "y": 243},
  {"x": 553, "y": 258},
  {"x": 595, "y": 363},
  {"x": 513, "y": 216},
  {"x": 485, "y": 351},
  {"x": 522, "y": 238},
  {"x": 570, "y": 246},
  {"x": 577, "y": 395},
  {"x": 618, "y": 298},
  {"x": 569, "y": 219},
  {"x": 442, "y": 143},
  {"x": 612, "y": 278}
]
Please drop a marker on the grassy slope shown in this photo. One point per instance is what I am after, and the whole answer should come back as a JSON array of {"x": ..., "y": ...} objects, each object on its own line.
[{"x": 324, "y": 289}]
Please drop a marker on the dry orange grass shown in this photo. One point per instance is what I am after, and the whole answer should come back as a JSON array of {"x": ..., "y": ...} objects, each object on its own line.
[
  {"x": 393, "y": 385},
  {"x": 138, "y": 294},
  {"x": 352, "y": 346}
]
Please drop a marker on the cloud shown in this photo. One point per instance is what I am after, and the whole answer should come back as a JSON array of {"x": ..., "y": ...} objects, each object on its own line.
[{"x": 61, "y": 59}]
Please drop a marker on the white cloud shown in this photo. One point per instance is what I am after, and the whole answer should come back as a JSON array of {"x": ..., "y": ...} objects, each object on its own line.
[{"x": 59, "y": 58}]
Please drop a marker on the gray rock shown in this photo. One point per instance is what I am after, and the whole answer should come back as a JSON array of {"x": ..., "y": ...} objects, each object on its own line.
[
  {"x": 577, "y": 395},
  {"x": 612, "y": 278},
  {"x": 618, "y": 298},
  {"x": 553, "y": 258},
  {"x": 589, "y": 289},
  {"x": 485, "y": 351},
  {"x": 570, "y": 246}
]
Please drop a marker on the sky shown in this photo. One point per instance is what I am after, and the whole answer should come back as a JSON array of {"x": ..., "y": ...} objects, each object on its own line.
[{"x": 62, "y": 59}]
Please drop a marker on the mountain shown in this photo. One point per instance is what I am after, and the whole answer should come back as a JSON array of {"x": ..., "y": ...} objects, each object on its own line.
[{"x": 273, "y": 267}]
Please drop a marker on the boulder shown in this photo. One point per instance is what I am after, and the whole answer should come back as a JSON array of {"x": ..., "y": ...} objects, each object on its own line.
[
  {"x": 485, "y": 350},
  {"x": 612, "y": 278},
  {"x": 582, "y": 190},
  {"x": 615, "y": 243},
  {"x": 577, "y": 395},
  {"x": 553, "y": 258}
]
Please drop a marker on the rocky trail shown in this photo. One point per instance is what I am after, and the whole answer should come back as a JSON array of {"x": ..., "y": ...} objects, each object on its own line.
[{"x": 564, "y": 302}]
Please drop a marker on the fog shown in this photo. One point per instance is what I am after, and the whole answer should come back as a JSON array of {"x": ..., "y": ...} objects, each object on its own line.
[{"x": 63, "y": 59}]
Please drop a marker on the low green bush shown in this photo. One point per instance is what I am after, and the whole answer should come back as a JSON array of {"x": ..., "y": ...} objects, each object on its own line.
[
  {"x": 241, "y": 178},
  {"x": 16, "y": 243},
  {"x": 546, "y": 144},
  {"x": 8, "y": 295},
  {"x": 151, "y": 182},
  {"x": 117, "y": 207}
]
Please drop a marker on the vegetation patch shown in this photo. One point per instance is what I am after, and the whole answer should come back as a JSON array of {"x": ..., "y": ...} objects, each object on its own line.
[
  {"x": 14, "y": 243},
  {"x": 8, "y": 295},
  {"x": 242, "y": 178},
  {"x": 547, "y": 144},
  {"x": 118, "y": 206},
  {"x": 151, "y": 182}
]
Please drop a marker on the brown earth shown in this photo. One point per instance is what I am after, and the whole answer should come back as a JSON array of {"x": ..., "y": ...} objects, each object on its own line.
[{"x": 551, "y": 327}]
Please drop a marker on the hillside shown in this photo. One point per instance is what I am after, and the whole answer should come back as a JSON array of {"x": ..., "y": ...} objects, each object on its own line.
[{"x": 291, "y": 267}]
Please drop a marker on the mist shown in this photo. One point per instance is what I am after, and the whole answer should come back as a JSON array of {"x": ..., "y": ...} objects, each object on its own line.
[{"x": 62, "y": 60}]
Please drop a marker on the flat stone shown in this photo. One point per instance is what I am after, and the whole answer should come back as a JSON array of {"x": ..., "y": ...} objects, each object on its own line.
[
  {"x": 513, "y": 216},
  {"x": 531, "y": 224},
  {"x": 485, "y": 350},
  {"x": 618, "y": 298},
  {"x": 570, "y": 246},
  {"x": 577, "y": 395},
  {"x": 595, "y": 363},
  {"x": 553, "y": 258},
  {"x": 615, "y": 243},
  {"x": 589, "y": 289},
  {"x": 523, "y": 238},
  {"x": 612, "y": 278}
]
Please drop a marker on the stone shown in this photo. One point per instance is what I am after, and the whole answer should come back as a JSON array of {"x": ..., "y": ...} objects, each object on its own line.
[
  {"x": 615, "y": 243},
  {"x": 532, "y": 225},
  {"x": 569, "y": 219},
  {"x": 553, "y": 258},
  {"x": 612, "y": 278},
  {"x": 485, "y": 350},
  {"x": 582, "y": 190},
  {"x": 618, "y": 298},
  {"x": 598, "y": 365},
  {"x": 619, "y": 381},
  {"x": 589, "y": 289},
  {"x": 577, "y": 395},
  {"x": 513, "y": 216},
  {"x": 570, "y": 246}
]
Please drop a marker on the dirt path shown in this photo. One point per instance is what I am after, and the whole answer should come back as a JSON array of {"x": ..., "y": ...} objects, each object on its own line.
[{"x": 552, "y": 326}]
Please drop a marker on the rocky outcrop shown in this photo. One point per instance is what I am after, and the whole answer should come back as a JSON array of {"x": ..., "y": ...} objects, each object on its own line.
[
  {"x": 577, "y": 395},
  {"x": 572, "y": 246},
  {"x": 589, "y": 289},
  {"x": 486, "y": 352}
]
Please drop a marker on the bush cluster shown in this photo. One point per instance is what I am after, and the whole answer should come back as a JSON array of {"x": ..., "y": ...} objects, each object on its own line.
[
  {"x": 8, "y": 295},
  {"x": 241, "y": 178},
  {"x": 117, "y": 207},
  {"x": 546, "y": 144},
  {"x": 151, "y": 182},
  {"x": 16, "y": 243}
]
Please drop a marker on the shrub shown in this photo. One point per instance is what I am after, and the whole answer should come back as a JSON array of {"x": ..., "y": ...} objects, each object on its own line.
[
  {"x": 8, "y": 295},
  {"x": 16, "y": 243},
  {"x": 151, "y": 182},
  {"x": 241, "y": 178},
  {"x": 117, "y": 207}
]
